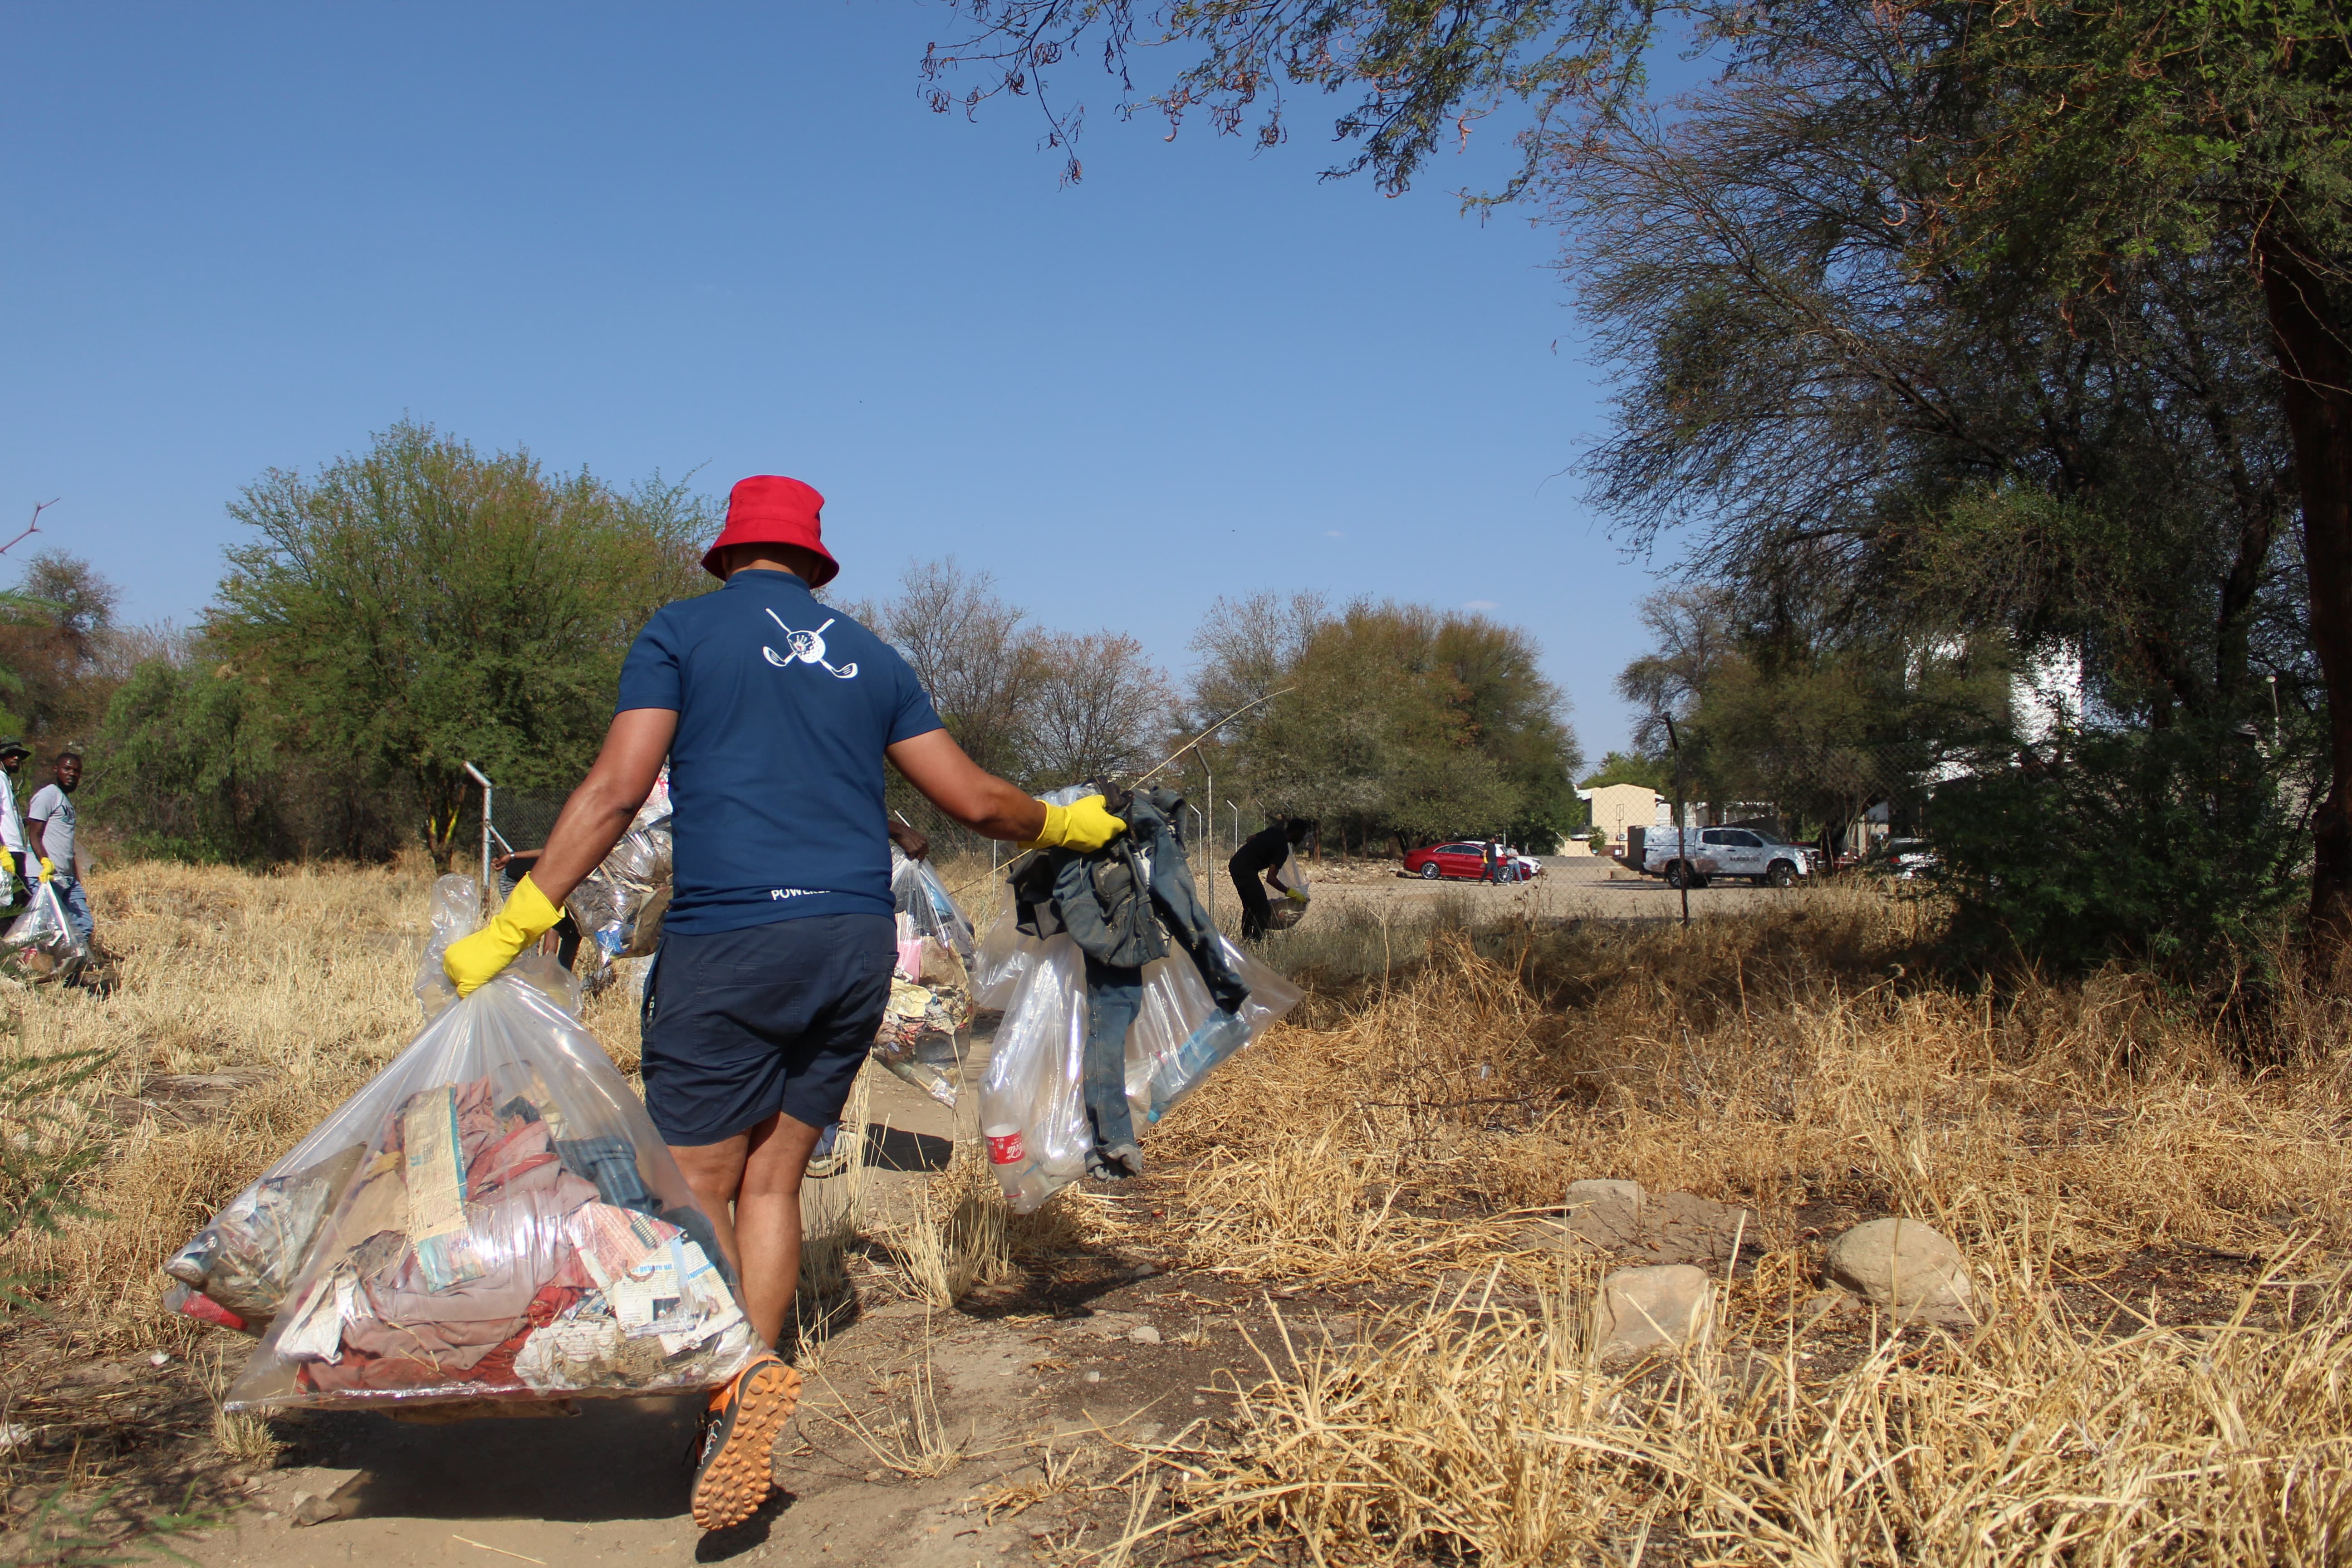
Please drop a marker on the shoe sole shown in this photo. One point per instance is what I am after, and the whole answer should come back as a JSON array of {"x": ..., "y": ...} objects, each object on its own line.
[{"x": 739, "y": 1476}]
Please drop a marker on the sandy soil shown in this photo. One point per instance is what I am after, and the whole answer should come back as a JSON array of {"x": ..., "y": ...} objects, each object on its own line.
[
  {"x": 1571, "y": 887},
  {"x": 1049, "y": 1367}
]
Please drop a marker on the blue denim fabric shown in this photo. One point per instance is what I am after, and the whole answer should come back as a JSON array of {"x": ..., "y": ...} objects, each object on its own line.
[
  {"x": 77, "y": 905},
  {"x": 1113, "y": 998}
]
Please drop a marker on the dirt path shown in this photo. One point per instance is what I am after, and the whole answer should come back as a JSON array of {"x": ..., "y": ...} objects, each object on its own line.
[{"x": 1005, "y": 1382}]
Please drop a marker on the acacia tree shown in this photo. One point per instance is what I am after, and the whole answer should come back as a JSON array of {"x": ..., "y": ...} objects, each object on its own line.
[
  {"x": 421, "y": 604},
  {"x": 1389, "y": 719},
  {"x": 2100, "y": 195}
]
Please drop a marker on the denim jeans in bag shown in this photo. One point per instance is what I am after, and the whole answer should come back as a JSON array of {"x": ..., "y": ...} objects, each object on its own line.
[{"x": 1113, "y": 998}]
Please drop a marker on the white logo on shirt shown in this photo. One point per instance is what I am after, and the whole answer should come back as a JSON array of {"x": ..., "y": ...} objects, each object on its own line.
[{"x": 808, "y": 647}]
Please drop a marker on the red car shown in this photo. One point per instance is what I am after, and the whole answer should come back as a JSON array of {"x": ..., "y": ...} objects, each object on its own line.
[{"x": 1465, "y": 861}]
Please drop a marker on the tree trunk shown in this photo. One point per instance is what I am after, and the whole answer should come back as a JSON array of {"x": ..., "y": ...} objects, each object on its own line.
[{"x": 2316, "y": 358}]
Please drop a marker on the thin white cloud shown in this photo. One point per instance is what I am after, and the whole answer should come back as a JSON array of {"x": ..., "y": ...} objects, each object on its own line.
[{"x": 1478, "y": 604}]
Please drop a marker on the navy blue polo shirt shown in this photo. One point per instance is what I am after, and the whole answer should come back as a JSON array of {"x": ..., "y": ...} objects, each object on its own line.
[{"x": 783, "y": 709}]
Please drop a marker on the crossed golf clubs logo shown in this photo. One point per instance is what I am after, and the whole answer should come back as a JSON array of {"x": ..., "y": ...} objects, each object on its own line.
[{"x": 808, "y": 647}]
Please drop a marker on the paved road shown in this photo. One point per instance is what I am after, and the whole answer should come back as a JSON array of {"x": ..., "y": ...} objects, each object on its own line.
[{"x": 1571, "y": 886}]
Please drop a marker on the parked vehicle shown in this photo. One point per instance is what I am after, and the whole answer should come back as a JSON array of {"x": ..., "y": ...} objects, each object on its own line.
[
  {"x": 1463, "y": 861},
  {"x": 1762, "y": 857},
  {"x": 1905, "y": 859}
]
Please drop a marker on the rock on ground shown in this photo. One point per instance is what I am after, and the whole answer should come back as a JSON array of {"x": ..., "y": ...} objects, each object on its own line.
[
  {"x": 1905, "y": 1267},
  {"x": 1641, "y": 1310},
  {"x": 1619, "y": 1220}
]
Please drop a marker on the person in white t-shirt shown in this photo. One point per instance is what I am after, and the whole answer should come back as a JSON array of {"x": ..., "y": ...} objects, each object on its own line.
[
  {"x": 50, "y": 818},
  {"x": 13, "y": 752}
]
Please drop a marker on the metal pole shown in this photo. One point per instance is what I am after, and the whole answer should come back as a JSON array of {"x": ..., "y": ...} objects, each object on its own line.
[
  {"x": 1682, "y": 831},
  {"x": 1236, "y": 810},
  {"x": 1209, "y": 840},
  {"x": 479, "y": 777}
]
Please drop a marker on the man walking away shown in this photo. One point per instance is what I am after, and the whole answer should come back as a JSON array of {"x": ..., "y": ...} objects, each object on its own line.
[
  {"x": 13, "y": 752},
  {"x": 50, "y": 818},
  {"x": 1264, "y": 853},
  {"x": 776, "y": 713}
]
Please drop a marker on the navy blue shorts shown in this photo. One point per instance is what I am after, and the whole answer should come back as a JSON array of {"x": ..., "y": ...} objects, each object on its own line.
[{"x": 739, "y": 1025}]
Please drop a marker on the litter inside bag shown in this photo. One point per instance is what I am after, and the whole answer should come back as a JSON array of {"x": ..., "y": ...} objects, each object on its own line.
[
  {"x": 1287, "y": 912},
  {"x": 43, "y": 939},
  {"x": 620, "y": 903},
  {"x": 247, "y": 1256},
  {"x": 1032, "y": 1104},
  {"x": 930, "y": 984},
  {"x": 493, "y": 1216}
]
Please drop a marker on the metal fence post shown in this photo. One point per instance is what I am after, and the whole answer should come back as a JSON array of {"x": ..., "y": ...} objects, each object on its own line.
[{"x": 479, "y": 777}]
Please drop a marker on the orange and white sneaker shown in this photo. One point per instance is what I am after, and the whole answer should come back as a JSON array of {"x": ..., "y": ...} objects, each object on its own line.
[{"x": 731, "y": 1475}]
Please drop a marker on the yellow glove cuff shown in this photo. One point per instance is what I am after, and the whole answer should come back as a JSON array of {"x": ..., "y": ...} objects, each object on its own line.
[
  {"x": 48, "y": 870},
  {"x": 1082, "y": 824},
  {"x": 474, "y": 961},
  {"x": 527, "y": 908}
]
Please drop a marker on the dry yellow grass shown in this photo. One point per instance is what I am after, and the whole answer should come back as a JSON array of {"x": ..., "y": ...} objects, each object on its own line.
[
  {"x": 297, "y": 982},
  {"x": 1778, "y": 1061},
  {"x": 1387, "y": 1139}
]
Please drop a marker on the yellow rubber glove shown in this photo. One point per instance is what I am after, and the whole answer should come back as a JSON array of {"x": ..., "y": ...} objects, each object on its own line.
[
  {"x": 1296, "y": 895},
  {"x": 48, "y": 870},
  {"x": 474, "y": 961},
  {"x": 1082, "y": 824}
]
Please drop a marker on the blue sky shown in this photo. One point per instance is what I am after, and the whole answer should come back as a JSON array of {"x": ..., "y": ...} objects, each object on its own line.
[{"x": 733, "y": 240}]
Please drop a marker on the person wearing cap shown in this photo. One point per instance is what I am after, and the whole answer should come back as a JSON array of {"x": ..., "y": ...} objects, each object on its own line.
[
  {"x": 13, "y": 752},
  {"x": 776, "y": 713}
]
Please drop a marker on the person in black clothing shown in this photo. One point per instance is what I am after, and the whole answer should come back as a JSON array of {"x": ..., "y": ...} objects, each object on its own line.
[{"x": 1261, "y": 855}]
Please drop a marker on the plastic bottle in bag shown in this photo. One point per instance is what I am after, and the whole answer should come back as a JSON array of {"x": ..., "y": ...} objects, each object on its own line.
[
  {"x": 1180, "y": 1034},
  {"x": 1175, "y": 1075},
  {"x": 1035, "y": 1075},
  {"x": 1026, "y": 1184}
]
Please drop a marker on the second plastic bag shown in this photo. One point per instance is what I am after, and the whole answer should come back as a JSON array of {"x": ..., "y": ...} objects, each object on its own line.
[
  {"x": 501, "y": 1222},
  {"x": 44, "y": 940},
  {"x": 1032, "y": 1104},
  {"x": 921, "y": 1033}
]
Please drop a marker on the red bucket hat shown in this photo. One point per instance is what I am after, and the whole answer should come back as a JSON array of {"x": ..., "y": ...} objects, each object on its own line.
[{"x": 768, "y": 508}]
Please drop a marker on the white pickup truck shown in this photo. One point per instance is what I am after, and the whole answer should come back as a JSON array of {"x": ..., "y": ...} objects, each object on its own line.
[{"x": 1725, "y": 852}]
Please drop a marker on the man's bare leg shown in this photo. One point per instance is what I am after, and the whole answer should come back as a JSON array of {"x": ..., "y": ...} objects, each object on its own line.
[{"x": 758, "y": 1173}]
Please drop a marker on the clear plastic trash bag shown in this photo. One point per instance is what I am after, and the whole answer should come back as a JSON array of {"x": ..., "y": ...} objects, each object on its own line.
[
  {"x": 1032, "y": 1102},
  {"x": 1032, "y": 1108},
  {"x": 619, "y": 905},
  {"x": 1179, "y": 1035},
  {"x": 1287, "y": 912},
  {"x": 244, "y": 1260},
  {"x": 923, "y": 1025},
  {"x": 42, "y": 937},
  {"x": 500, "y": 1221}
]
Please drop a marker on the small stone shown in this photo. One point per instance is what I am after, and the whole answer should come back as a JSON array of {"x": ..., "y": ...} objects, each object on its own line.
[
  {"x": 1145, "y": 1270},
  {"x": 1143, "y": 1334},
  {"x": 1907, "y": 1269},
  {"x": 309, "y": 1510},
  {"x": 1094, "y": 1377},
  {"x": 1641, "y": 1310},
  {"x": 160, "y": 1357}
]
